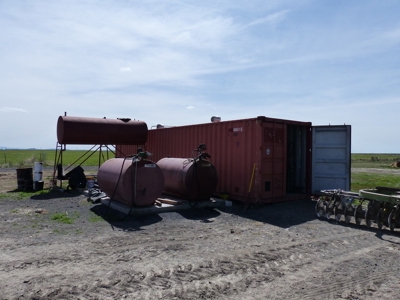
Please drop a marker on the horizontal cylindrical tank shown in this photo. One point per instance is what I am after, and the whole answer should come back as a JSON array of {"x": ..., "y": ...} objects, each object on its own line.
[
  {"x": 189, "y": 179},
  {"x": 89, "y": 131},
  {"x": 131, "y": 181}
]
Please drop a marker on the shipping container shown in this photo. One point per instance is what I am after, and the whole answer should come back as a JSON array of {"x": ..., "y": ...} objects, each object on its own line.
[{"x": 258, "y": 160}]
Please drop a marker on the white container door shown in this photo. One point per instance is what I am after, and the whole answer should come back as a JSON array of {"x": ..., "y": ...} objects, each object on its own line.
[{"x": 331, "y": 158}]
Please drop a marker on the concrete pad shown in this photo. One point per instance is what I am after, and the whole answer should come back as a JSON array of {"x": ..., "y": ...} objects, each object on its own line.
[{"x": 213, "y": 202}]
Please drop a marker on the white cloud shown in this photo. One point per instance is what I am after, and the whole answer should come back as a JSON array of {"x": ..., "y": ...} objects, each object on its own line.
[
  {"x": 125, "y": 69},
  {"x": 13, "y": 109},
  {"x": 295, "y": 59},
  {"x": 393, "y": 35},
  {"x": 272, "y": 19}
]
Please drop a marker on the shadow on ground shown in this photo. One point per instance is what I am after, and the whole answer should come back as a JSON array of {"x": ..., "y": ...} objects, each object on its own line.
[
  {"x": 125, "y": 222},
  {"x": 281, "y": 214},
  {"x": 382, "y": 234},
  {"x": 45, "y": 194},
  {"x": 55, "y": 194},
  {"x": 203, "y": 215}
]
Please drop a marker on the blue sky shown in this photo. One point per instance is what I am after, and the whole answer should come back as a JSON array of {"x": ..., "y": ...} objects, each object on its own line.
[{"x": 181, "y": 62}]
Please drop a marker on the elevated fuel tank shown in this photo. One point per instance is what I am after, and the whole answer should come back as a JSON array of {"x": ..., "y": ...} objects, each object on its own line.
[
  {"x": 193, "y": 179},
  {"x": 131, "y": 181},
  {"x": 93, "y": 131}
]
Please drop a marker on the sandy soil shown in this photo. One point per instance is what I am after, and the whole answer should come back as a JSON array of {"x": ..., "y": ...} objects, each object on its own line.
[{"x": 278, "y": 251}]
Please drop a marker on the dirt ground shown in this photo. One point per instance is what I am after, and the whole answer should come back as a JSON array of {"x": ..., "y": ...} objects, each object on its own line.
[{"x": 278, "y": 251}]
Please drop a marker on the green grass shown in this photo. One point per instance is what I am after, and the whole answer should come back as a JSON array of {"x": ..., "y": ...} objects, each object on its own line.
[
  {"x": 360, "y": 180},
  {"x": 373, "y": 160},
  {"x": 64, "y": 217},
  {"x": 27, "y": 158},
  {"x": 95, "y": 218},
  {"x": 364, "y": 180},
  {"x": 22, "y": 195}
]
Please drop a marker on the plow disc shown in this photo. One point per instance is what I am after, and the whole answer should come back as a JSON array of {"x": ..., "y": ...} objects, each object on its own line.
[
  {"x": 394, "y": 218},
  {"x": 380, "y": 206}
]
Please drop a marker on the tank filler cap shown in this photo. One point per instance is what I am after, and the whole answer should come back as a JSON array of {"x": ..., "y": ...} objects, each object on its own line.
[
  {"x": 215, "y": 119},
  {"x": 202, "y": 147},
  {"x": 124, "y": 119}
]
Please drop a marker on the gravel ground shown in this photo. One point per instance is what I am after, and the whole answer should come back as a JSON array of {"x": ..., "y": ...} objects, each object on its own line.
[{"x": 277, "y": 251}]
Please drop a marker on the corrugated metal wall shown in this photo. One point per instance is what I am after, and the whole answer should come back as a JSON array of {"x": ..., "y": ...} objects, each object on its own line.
[{"x": 236, "y": 147}]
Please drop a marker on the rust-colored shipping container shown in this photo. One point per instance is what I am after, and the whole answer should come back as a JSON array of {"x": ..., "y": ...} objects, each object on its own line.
[{"x": 258, "y": 160}]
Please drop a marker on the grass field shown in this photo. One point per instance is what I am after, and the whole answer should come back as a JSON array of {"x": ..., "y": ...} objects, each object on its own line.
[
  {"x": 17, "y": 158},
  {"x": 372, "y": 177},
  {"x": 373, "y": 160},
  {"x": 368, "y": 180},
  {"x": 359, "y": 179},
  {"x": 26, "y": 158}
]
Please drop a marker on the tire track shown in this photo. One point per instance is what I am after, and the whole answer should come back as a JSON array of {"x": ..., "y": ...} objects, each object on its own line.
[
  {"x": 325, "y": 278},
  {"x": 245, "y": 262},
  {"x": 229, "y": 277}
]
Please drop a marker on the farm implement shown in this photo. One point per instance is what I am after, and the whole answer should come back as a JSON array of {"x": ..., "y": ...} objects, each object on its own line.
[{"x": 380, "y": 205}]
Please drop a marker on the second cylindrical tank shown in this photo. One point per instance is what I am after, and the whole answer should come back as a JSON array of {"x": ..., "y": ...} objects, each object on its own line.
[
  {"x": 195, "y": 180},
  {"x": 131, "y": 181}
]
